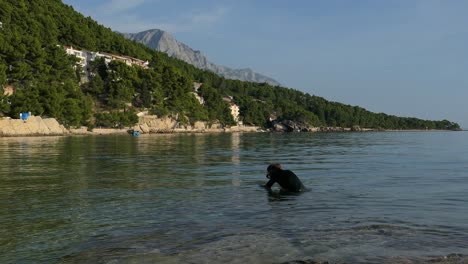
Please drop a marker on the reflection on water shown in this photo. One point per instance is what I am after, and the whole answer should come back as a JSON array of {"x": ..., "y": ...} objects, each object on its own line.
[
  {"x": 235, "y": 159},
  {"x": 280, "y": 195},
  {"x": 196, "y": 198}
]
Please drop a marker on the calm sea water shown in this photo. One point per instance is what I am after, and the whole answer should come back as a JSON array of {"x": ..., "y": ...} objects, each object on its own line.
[{"x": 196, "y": 198}]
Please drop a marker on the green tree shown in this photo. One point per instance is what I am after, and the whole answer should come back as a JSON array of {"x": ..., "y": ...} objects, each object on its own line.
[
  {"x": 3, "y": 76},
  {"x": 33, "y": 60}
]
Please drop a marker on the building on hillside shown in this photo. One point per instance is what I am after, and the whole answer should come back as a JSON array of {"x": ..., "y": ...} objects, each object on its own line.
[
  {"x": 130, "y": 61},
  {"x": 137, "y": 62},
  {"x": 1, "y": 25},
  {"x": 228, "y": 99},
  {"x": 107, "y": 57},
  {"x": 8, "y": 90},
  {"x": 86, "y": 57},
  {"x": 235, "y": 111},
  {"x": 197, "y": 86},
  {"x": 82, "y": 55},
  {"x": 122, "y": 59}
]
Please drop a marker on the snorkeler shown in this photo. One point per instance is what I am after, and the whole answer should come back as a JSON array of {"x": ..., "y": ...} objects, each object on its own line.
[{"x": 288, "y": 181}]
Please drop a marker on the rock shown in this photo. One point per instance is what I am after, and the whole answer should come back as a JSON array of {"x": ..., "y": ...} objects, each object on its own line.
[
  {"x": 54, "y": 126},
  {"x": 279, "y": 127},
  {"x": 37, "y": 126},
  {"x": 33, "y": 126},
  {"x": 144, "y": 128},
  {"x": 165, "y": 42},
  {"x": 200, "y": 126},
  {"x": 289, "y": 126},
  {"x": 332, "y": 129},
  {"x": 79, "y": 131}
]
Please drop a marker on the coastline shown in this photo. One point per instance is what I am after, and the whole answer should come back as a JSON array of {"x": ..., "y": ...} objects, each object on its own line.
[{"x": 38, "y": 126}]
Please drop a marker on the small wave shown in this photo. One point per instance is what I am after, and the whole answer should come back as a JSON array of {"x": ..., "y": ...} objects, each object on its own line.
[
  {"x": 448, "y": 259},
  {"x": 384, "y": 229},
  {"x": 381, "y": 228},
  {"x": 369, "y": 227}
]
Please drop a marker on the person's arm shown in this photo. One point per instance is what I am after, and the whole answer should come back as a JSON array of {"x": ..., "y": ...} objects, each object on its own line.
[{"x": 269, "y": 184}]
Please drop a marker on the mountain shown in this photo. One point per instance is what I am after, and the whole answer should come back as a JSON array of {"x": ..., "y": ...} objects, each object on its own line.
[
  {"x": 163, "y": 41},
  {"x": 39, "y": 74}
]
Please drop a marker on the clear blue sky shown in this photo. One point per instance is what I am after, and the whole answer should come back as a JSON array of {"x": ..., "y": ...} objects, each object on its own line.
[{"x": 401, "y": 57}]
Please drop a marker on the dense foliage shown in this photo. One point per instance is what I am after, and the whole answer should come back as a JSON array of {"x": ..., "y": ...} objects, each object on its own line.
[{"x": 47, "y": 81}]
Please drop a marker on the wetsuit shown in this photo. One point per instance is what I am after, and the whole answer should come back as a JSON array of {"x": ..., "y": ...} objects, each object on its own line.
[{"x": 286, "y": 179}]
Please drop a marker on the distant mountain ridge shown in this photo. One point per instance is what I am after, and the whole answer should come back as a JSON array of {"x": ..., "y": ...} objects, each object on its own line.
[{"x": 163, "y": 41}]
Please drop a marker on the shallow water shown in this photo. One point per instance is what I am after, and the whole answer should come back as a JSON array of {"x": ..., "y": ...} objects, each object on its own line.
[{"x": 196, "y": 198}]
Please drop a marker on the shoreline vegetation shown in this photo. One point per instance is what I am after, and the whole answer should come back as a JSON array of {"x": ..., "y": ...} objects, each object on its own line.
[
  {"x": 38, "y": 126},
  {"x": 57, "y": 63}
]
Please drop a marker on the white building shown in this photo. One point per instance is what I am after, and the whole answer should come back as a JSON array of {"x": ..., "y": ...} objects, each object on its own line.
[
  {"x": 234, "y": 108},
  {"x": 8, "y": 90},
  {"x": 197, "y": 86},
  {"x": 234, "y": 111},
  {"x": 130, "y": 61},
  {"x": 106, "y": 56},
  {"x": 88, "y": 56},
  {"x": 80, "y": 54}
]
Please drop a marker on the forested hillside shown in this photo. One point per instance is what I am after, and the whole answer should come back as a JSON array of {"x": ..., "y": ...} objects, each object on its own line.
[{"x": 46, "y": 81}]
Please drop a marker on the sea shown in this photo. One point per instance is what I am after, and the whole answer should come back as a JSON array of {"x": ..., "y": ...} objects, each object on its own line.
[{"x": 373, "y": 197}]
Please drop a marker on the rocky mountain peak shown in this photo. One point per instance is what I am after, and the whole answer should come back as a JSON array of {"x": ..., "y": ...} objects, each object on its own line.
[{"x": 163, "y": 41}]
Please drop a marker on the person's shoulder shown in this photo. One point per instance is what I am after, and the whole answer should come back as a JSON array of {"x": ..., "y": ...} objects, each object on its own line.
[{"x": 289, "y": 172}]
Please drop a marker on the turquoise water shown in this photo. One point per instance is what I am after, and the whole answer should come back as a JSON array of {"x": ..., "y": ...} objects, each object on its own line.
[{"x": 196, "y": 199}]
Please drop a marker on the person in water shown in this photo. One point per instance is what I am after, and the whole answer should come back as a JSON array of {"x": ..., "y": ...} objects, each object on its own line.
[{"x": 288, "y": 181}]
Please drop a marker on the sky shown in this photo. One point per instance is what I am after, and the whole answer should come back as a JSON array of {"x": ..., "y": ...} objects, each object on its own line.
[{"x": 400, "y": 57}]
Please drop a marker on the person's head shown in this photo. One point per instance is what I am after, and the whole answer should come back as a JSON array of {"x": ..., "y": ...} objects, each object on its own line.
[{"x": 272, "y": 168}]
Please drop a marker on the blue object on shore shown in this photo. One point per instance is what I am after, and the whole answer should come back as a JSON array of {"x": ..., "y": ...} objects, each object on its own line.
[
  {"x": 136, "y": 133},
  {"x": 25, "y": 116}
]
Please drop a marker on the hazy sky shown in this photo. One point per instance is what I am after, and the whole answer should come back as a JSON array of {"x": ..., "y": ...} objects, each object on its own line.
[{"x": 401, "y": 57}]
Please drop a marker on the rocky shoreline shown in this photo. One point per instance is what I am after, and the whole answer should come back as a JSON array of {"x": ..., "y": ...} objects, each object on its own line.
[
  {"x": 293, "y": 126},
  {"x": 32, "y": 126},
  {"x": 149, "y": 124},
  {"x": 38, "y": 126}
]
